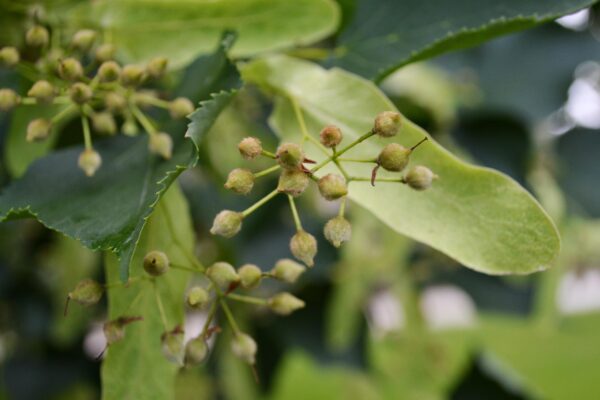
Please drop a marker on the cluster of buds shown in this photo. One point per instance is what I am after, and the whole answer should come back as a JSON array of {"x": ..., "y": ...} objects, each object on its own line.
[
  {"x": 83, "y": 77},
  {"x": 295, "y": 177},
  {"x": 223, "y": 282}
]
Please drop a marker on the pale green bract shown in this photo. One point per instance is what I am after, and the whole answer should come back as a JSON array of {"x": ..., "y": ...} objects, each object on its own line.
[
  {"x": 478, "y": 216},
  {"x": 181, "y": 30}
]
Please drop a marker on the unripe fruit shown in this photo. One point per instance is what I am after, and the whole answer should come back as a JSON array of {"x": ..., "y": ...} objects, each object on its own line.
[
  {"x": 80, "y": 93},
  {"x": 115, "y": 102},
  {"x": 8, "y": 99},
  {"x": 197, "y": 297},
  {"x": 105, "y": 52},
  {"x": 250, "y": 276},
  {"x": 38, "y": 130},
  {"x": 330, "y": 136},
  {"x": 304, "y": 247},
  {"x": 84, "y": 39},
  {"x": 337, "y": 230},
  {"x": 250, "y": 148},
  {"x": 70, "y": 69},
  {"x": 394, "y": 157},
  {"x": 240, "y": 181},
  {"x": 87, "y": 292},
  {"x": 161, "y": 143},
  {"x": 332, "y": 187},
  {"x": 290, "y": 156},
  {"x": 156, "y": 263},
  {"x": 129, "y": 127},
  {"x": 244, "y": 348},
  {"x": 419, "y": 177},
  {"x": 172, "y": 345},
  {"x": 287, "y": 270},
  {"x": 37, "y": 36},
  {"x": 89, "y": 161},
  {"x": 285, "y": 303},
  {"x": 196, "y": 351},
  {"x": 114, "y": 330},
  {"x": 132, "y": 75},
  {"x": 157, "y": 67},
  {"x": 104, "y": 123},
  {"x": 222, "y": 273},
  {"x": 9, "y": 56},
  {"x": 109, "y": 71},
  {"x": 180, "y": 108},
  {"x": 42, "y": 91},
  {"x": 293, "y": 182},
  {"x": 387, "y": 124},
  {"x": 227, "y": 223}
]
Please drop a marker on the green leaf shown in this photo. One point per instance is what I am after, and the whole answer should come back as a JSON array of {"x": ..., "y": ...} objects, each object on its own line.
[
  {"x": 478, "y": 216},
  {"x": 143, "y": 29},
  {"x": 135, "y": 367},
  {"x": 109, "y": 210},
  {"x": 386, "y": 34}
]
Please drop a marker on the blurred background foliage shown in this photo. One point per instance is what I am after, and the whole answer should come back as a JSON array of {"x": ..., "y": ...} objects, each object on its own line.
[{"x": 386, "y": 318}]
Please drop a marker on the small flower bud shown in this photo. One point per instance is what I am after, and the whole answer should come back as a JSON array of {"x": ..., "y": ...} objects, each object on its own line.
[
  {"x": 104, "y": 123},
  {"x": 304, "y": 247},
  {"x": 8, "y": 99},
  {"x": 227, "y": 223},
  {"x": 87, "y": 292},
  {"x": 337, "y": 230},
  {"x": 172, "y": 345},
  {"x": 240, "y": 181},
  {"x": 80, "y": 93},
  {"x": 332, "y": 187},
  {"x": 156, "y": 263},
  {"x": 157, "y": 67},
  {"x": 38, "y": 130},
  {"x": 419, "y": 177},
  {"x": 250, "y": 148},
  {"x": 290, "y": 156},
  {"x": 70, "y": 69},
  {"x": 105, "y": 52},
  {"x": 197, "y": 297},
  {"x": 330, "y": 136},
  {"x": 132, "y": 75},
  {"x": 129, "y": 127},
  {"x": 180, "y": 108},
  {"x": 115, "y": 102},
  {"x": 9, "y": 56},
  {"x": 285, "y": 303},
  {"x": 84, "y": 39},
  {"x": 287, "y": 270},
  {"x": 222, "y": 273},
  {"x": 89, "y": 161},
  {"x": 109, "y": 71},
  {"x": 250, "y": 276},
  {"x": 244, "y": 348},
  {"x": 114, "y": 330},
  {"x": 394, "y": 157},
  {"x": 37, "y": 36},
  {"x": 293, "y": 182},
  {"x": 196, "y": 351},
  {"x": 161, "y": 143},
  {"x": 387, "y": 124},
  {"x": 42, "y": 91}
]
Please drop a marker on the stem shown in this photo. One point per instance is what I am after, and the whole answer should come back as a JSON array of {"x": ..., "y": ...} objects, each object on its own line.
[
  {"x": 268, "y": 154},
  {"x": 64, "y": 113},
  {"x": 247, "y": 299},
  {"x": 361, "y": 179},
  {"x": 259, "y": 203},
  {"x": 266, "y": 171},
  {"x": 185, "y": 268},
  {"x": 154, "y": 101},
  {"x": 229, "y": 315},
  {"x": 358, "y": 160},
  {"x": 342, "y": 207},
  {"x": 87, "y": 136},
  {"x": 161, "y": 309},
  {"x": 209, "y": 318},
  {"x": 342, "y": 151},
  {"x": 418, "y": 144},
  {"x": 142, "y": 119},
  {"x": 295, "y": 213}
]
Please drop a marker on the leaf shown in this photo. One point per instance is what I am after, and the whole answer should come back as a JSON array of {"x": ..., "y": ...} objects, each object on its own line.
[
  {"x": 108, "y": 211},
  {"x": 143, "y": 29},
  {"x": 478, "y": 216},
  {"x": 135, "y": 367},
  {"x": 386, "y": 34}
]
